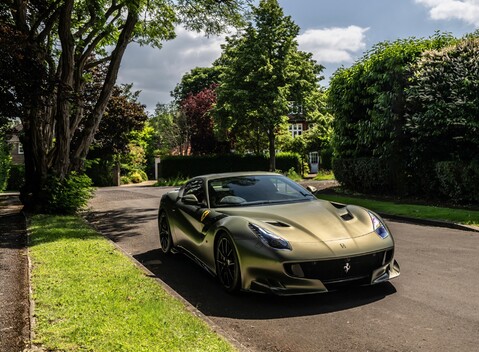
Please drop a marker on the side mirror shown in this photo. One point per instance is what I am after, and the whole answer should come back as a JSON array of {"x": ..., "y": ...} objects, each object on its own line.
[
  {"x": 312, "y": 189},
  {"x": 190, "y": 199}
]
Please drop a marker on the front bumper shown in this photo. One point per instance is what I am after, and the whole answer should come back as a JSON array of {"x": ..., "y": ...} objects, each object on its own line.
[{"x": 280, "y": 276}]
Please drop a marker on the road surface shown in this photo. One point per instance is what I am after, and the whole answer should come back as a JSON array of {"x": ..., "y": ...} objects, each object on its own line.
[{"x": 432, "y": 306}]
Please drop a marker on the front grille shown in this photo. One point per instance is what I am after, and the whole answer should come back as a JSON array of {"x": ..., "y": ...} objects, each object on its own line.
[{"x": 343, "y": 269}]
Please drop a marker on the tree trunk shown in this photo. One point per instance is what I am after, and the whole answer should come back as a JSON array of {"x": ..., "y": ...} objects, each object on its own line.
[
  {"x": 52, "y": 115},
  {"x": 91, "y": 126},
  {"x": 272, "y": 150}
]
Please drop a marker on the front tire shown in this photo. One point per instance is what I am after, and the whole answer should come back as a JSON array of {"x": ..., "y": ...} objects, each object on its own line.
[
  {"x": 166, "y": 240},
  {"x": 227, "y": 264}
]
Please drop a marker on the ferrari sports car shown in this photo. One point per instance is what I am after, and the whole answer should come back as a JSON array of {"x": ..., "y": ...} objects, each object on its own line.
[{"x": 263, "y": 232}]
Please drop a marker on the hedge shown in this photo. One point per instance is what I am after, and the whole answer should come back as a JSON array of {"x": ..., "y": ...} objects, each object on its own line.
[
  {"x": 365, "y": 175},
  {"x": 16, "y": 178},
  {"x": 458, "y": 181},
  {"x": 190, "y": 166}
]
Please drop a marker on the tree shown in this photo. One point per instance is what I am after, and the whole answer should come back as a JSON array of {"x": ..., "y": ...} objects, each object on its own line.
[
  {"x": 197, "y": 110},
  {"x": 171, "y": 128},
  {"x": 114, "y": 139},
  {"x": 195, "y": 81},
  {"x": 59, "y": 43},
  {"x": 123, "y": 115},
  {"x": 262, "y": 71}
]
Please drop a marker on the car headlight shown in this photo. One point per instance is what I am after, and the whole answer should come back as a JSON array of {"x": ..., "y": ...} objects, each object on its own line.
[
  {"x": 269, "y": 238},
  {"x": 378, "y": 226}
]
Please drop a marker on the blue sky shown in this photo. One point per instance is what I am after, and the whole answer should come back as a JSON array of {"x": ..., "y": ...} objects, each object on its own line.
[{"x": 337, "y": 32}]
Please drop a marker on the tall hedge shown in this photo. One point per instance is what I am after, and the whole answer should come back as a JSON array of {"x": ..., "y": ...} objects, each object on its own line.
[
  {"x": 189, "y": 166},
  {"x": 402, "y": 110}
]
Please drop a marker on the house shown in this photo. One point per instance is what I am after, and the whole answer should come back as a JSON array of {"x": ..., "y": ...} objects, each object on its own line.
[
  {"x": 17, "y": 147},
  {"x": 297, "y": 124}
]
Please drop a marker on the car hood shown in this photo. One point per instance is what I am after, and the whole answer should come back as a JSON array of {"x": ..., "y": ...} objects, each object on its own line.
[{"x": 308, "y": 221}]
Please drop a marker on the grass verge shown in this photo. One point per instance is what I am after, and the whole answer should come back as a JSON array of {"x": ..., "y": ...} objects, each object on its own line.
[
  {"x": 90, "y": 297},
  {"x": 459, "y": 216},
  {"x": 324, "y": 175}
]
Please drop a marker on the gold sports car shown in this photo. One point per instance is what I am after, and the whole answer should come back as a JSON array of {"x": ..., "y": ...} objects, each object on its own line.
[{"x": 262, "y": 232}]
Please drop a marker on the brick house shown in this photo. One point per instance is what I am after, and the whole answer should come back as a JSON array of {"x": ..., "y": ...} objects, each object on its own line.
[
  {"x": 17, "y": 147},
  {"x": 297, "y": 124}
]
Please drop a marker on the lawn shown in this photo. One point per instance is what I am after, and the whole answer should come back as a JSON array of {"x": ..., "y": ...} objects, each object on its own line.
[
  {"x": 89, "y": 296},
  {"x": 460, "y": 216}
]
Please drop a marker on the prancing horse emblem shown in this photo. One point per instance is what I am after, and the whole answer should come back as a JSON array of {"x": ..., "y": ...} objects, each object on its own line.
[{"x": 346, "y": 267}]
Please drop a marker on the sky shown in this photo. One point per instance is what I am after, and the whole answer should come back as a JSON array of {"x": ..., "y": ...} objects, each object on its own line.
[{"x": 337, "y": 32}]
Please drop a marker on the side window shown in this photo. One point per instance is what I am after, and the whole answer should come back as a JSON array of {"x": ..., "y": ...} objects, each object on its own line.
[{"x": 196, "y": 188}]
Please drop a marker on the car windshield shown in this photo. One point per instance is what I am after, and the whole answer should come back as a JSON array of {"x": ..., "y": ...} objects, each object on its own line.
[{"x": 255, "y": 190}]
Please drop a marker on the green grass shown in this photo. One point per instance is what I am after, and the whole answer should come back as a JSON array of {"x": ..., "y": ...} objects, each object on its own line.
[
  {"x": 90, "y": 297},
  {"x": 460, "y": 216},
  {"x": 324, "y": 175},
  {"x": 178, "y": 181}
]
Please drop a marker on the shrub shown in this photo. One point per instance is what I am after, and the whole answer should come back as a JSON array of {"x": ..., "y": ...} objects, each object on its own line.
[
  {"x": 16, "y": 178},
  {"x": 100, "y": 172},
  {"x": 293, "y": 175},
  {"x": 458, "y": 181},
  {"x": 327, "y": 158},
  {"x": 137, "y": 176},
  {"x": 125, "y": 180},
  {"x": 66, "y": 196},
  {"x": 365, "y": 175}
]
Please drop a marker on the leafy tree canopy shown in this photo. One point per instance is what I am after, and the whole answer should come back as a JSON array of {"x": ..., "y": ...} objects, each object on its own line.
[
  {"x": 56, "y": 44},
  {"x": 262, "y": 71},
  {"x": 195, "y": 81}
]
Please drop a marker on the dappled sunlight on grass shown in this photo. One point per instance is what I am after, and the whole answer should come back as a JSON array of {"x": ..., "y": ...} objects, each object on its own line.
[{"x": 89, "y": 296}]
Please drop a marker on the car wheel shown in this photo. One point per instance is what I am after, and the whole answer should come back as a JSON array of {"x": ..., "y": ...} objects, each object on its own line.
[
  {"x": 166, "y": 241},
  {"x": 227, "y": 264}
]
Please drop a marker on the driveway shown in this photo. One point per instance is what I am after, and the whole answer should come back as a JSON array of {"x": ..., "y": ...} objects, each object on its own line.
[{"x": 432, "y": 306}]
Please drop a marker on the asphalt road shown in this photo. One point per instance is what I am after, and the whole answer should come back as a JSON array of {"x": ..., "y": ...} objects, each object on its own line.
[{"x": 432, "y": 306}]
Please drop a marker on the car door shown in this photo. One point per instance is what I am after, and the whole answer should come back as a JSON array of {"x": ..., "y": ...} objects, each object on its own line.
[{"x": 191, "y": 206}]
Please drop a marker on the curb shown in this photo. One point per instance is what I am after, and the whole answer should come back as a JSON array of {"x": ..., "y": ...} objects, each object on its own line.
[{"x": 430, "y": 222}]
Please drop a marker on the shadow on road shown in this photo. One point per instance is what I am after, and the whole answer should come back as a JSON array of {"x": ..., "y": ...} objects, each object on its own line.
[
  {"x": 120, "y": 223},
  {"x": 202, "y": 291}
]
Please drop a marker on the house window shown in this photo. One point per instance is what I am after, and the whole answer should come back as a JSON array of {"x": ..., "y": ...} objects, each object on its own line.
[
  {"x": 296, "y": 129},
  {"x": 20, "y": 148}
]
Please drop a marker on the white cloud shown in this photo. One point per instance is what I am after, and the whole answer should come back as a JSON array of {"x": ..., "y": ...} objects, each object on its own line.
[
  {"x": 333, "y": 45},
  {"x": 464, "y": 10},
  {"x": 157, "y": 71}
]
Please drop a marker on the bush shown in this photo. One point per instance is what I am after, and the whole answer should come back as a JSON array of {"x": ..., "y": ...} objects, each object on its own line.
[
  {"x": 66, "y": 196},
  {"x": 100, "y": 172},
  {"x": 16, "y": 178},
  {"x": 365, "y": 175},
  {"x": 327, "y": 158},
  {"x": 189, "y": 166},
  {"x": 293, "y": 175},
  {"x": 125, "y": 180},
  {"x": 458, "y": 181},
  {"x": 137, "y": 176}
]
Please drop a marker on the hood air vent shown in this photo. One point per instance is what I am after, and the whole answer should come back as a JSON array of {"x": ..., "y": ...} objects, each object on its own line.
[{"x": 277, "y": 223}]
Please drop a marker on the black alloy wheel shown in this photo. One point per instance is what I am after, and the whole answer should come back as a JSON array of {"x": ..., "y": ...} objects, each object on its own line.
[
  {"x": 227, "y": 264},
  {"x": 166, "y": 241}
]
